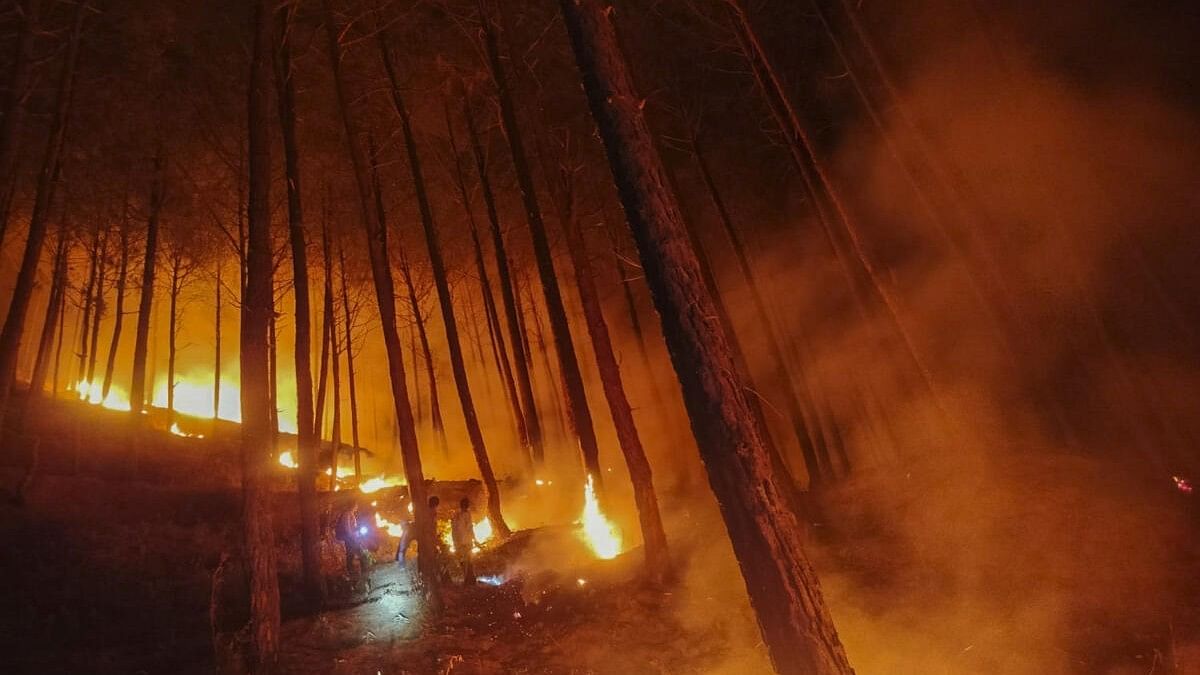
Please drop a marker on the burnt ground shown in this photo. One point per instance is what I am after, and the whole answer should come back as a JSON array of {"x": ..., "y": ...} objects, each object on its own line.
[{"x": 109, "y": 569}]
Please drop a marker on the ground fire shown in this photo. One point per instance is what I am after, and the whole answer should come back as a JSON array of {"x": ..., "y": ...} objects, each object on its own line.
[{"x": 599, "y": 336}]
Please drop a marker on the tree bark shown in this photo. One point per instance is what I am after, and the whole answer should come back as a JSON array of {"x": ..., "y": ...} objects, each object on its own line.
[
  {"x": 767, "y": 540},
  {"x": 658, "y": 561},
  {"x": 386, "y": 299},
  {"x": 17, "y": 91},
  {"x": 99, "y": 308},
  {"x": 41, "y": 363},
  {"x": 172, "y": 333},
  {"x": 327, "y": 318},
  {"x": 435, "y": 404},
  {"x": 306, "y": 442},
  {"x": 579, "y": 417},
  {"x": 457, "y": 365},
  {"x": 89, "y": 304},
  {"x": 258, "y": 530},
  {"x": 119, "y": 310},
  {"x": 499, "y": 351},
  {"x": 350, "y": 384},
  {"x": 22, "y": 293},
  {"x": 137, "y": 387},
  {"x": 335, "y": 427},
  {"x": 521, "y": 361}
]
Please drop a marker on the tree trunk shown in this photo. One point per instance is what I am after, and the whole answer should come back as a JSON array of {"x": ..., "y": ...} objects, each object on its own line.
[
  {"x": 62, "y": 326},
  {"x": 335, "y": 429},
  {"x": 438, "y": 265},
  {"x": 381, "y": 274},
  {"x": 89, "y": 304},
  {"x": 766, "y": 538},
  {"x": 350, "y": 365},
  {"x": 17, "y": 91},
  {"x": 257, "y": 461},
  {"x": 58, "y": 282},
  {"x": 217, "y": 348},
  {"x": 306, "y": 442},
  {"x": 499, "y": 351},
  {"x": 658, "y": 561},
  {"x": 521, "y": 361},
  {"x": 137, "y": 388},
  {"x": 435, "y": 405},
  {"x": 580, "y": 417},
  {"x": 801, "y": 413},
  {"x": 98, "y": 311},
  {"x": 22, "y": 293},
  {"x": 172, "y": 335},
  {"x": 326, "y": 333},
  {"x": 119, "y": 311}
]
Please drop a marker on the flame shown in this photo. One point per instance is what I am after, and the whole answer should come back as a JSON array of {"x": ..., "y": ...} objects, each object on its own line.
[
  {"x": 598, "y": 532},
  {"x": 393, "y": 529},
  {"x": 483, "y": 530},
  {"x": 377, "y": 483},
  {"x": 287, "y": 459},
  {"x": 483, "y": 533},
  {"x": 92, "y": 392},
  {"x": 194, "y": 397},
  {"x": 180, "y": 432}
]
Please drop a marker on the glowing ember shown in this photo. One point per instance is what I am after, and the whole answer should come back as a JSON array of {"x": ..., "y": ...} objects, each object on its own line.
[
  {"x": 287, "y": 459},
  {"x": 378, "y": 483},
  {"x": 343, "y": 471},
  {"x": 581, "y": 582},
  {"x": 1182, "y": 484},
  {"x": 180, "y": 432},
  {"x": 598, "y": 532}
]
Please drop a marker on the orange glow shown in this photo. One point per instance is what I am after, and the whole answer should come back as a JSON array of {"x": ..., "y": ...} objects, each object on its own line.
[
  {"x": 91, "y": 392},
  {"x": 180, "y": 432},
  {"x": 377, "y": 483}
]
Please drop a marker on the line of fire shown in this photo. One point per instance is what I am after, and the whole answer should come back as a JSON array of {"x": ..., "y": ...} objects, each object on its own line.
[{"x": 459, "y": 337}]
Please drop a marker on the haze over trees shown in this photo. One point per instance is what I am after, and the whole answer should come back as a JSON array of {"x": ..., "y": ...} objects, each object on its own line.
[{"x": 774, "y": 312}]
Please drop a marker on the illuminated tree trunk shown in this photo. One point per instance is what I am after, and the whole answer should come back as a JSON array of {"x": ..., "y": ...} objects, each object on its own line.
[
  {"x": 58, "y": 283},
  {"x": 539, "y": 338},
  {"x": 327, "y": 319},
  {"x": 137, "y": 387},
  {"x": 579, "y": 416},
  {"x": 273, "y": 375},
  {"x": 89, "y": 305},
  {"x": 62, "y": 329},
  {"x": 99, "y": 308},
  {"x": 17, "y": 93},
  {"x": 658, "y": 561},
  {"x": 119, "y": 310},
  {"x": 257, "y": 461},
  {"x": 386, "y": 299},
  {"x": 335, "y": 429},
  {"x": 217, "y": 347},
  {"x": 438, "y": 266},
  {"x": 306, "y": 441},
  {"x": 516, "y": 334},
  {"x": 350, "y": 365},
  {"x": 22, "y": 293},
  {"x": 173, "y": 332},
  {"x": 435, "y": 403},
  {"x": 499, "y": 351},
  {"x": 795, "y": 623},
  {"x": 416, "y": 369},
  {"x": 801, "y": 413}
]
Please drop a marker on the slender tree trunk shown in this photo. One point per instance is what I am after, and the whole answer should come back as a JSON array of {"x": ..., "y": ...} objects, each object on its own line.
[
  {"x": 217, "y": 348},
  {"x": 349, "y": 330},
  {"x": 658, "y": 561},
  {"x": 98, "y": 311},
  {"x": 17, "y": 93},
  {"x": 499, "y": 352},
  {"x": 521, "y": 361},
  {"x": 62, "y": 325},
  {"x": 416, "y": 370},
  {"x": 257, "y": 461},
  {"x": 580, "y": 417},
  {"x": 457, "y": 364},
  {"x": 22, "y": 293},
  {"x": 273, "y": 376},
  {"x": 89, "y": 304},
  {"x": 326, "y": 331},
  {"x": 119, "y": 311},
  {"x": 767, "y": 540},
  {"x": 306, "y": 442},
  {"x": 37, "y": 382},
  {"x": 435, "y": 405},
  {"x": 385, "y": 297},
  {"x": 137, "y": 388},
  {"x": 172, "y": 334},
  {"x": 335, "y": 430},
  {"x": 539, "y": 337},
  {"x": 799, "y": 405}
]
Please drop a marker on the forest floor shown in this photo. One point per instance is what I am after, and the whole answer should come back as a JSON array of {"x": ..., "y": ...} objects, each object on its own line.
[{"x": 1013, "y": 569}]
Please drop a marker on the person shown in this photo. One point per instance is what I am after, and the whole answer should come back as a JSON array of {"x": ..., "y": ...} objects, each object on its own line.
[
  {"x": 347, "y": 530},
  {"x": 462, "y": 531},
  {"x": 410, "y": 529}
]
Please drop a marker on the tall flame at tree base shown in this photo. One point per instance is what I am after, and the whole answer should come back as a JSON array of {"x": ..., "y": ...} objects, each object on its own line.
[{"x": 598, "y": 532}]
